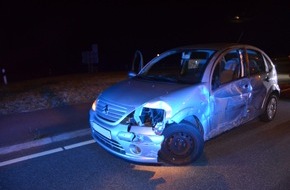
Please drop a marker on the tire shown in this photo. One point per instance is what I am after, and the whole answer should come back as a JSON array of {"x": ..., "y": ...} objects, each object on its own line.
[
  {"x": 182, "y": 144},
  {"x": 270, "y": 108}
]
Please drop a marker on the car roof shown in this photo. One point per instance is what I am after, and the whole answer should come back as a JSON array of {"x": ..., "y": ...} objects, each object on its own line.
[{"x": 215, "y": 46}]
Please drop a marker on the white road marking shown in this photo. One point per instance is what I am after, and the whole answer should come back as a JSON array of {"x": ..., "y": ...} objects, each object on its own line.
[
  {"x": 78, "y": 144},
  {"x": 52, "y": 151},
  {"x": 30, "y": 156},
  {"x": 44, "y": 141}
]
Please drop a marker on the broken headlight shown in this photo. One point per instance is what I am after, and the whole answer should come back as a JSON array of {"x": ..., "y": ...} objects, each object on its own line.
[{"x": 153, "y": 115}]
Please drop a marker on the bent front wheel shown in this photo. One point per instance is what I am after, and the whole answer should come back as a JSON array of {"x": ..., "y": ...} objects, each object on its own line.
[{"x": 182, "y": 144}]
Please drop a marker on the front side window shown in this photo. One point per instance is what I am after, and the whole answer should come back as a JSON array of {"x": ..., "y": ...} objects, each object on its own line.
[
  {"x": 185, "y": 66},
  {"x": 227, "y": 69}
]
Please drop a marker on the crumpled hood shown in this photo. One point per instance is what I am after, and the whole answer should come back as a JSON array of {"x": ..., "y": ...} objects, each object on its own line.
[{"x": 135, "y": 92}]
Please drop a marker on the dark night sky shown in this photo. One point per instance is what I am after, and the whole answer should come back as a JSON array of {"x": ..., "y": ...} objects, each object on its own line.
[{"x": 40, "y": 35}]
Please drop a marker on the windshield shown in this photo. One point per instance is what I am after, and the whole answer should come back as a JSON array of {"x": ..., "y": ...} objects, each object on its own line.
[{"x": 183, "y": 66}]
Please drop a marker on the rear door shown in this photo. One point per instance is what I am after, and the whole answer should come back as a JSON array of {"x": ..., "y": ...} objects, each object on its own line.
[{"x": 256, "y": 71}]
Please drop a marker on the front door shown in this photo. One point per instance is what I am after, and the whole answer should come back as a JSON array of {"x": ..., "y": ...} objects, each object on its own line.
[{"x": 231, "y": 93}]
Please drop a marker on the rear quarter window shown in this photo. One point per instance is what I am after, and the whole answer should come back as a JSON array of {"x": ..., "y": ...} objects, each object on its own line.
[
  {"x": 269, "y": 65},
  {"x": 256, "y": 62}
]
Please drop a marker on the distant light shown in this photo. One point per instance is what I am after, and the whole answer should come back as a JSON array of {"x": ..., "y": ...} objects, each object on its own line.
[
  {"x": 158, "y": 54},
  {"x": 237, "y": 17}
]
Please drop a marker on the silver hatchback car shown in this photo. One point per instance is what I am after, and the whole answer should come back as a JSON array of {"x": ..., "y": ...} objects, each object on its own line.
[{"x": 183, "y": 97}]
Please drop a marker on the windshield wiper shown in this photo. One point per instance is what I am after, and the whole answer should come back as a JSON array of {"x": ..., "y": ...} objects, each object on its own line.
[{"x": 158, "y": 78}]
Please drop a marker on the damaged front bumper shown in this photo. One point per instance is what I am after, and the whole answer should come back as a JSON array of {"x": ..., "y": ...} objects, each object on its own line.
[{"x": 132, "y": 146}]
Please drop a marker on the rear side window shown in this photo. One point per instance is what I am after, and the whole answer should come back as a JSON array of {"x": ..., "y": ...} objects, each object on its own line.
[{"x": 256, "y": 62}]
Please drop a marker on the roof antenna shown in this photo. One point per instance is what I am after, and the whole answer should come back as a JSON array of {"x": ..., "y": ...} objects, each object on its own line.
[{"x": 240, "y": 37}]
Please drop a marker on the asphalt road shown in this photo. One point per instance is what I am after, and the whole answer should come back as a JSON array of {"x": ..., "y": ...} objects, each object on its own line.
[{"x": 252, "y": 156}]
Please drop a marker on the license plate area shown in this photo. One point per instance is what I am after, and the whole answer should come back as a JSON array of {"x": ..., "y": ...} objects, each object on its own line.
[{"x": 106, "y": 133}]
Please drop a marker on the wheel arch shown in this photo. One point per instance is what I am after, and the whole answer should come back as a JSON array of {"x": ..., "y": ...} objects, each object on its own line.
[
  {"x": 274, "y": 91},
  {"x": 194, "y": 122},
  {"x": 194, "y": 117}
]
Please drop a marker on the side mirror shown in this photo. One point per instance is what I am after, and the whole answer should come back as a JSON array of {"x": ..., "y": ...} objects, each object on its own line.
[
  {"x": 137, "y": 64},
  {"x": 131, "y": 74}
]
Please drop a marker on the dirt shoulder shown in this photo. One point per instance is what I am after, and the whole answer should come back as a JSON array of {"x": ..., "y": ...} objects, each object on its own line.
[{"x": 51, "y": 92}]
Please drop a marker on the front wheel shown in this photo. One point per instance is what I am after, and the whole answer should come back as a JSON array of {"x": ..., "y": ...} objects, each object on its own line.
[
  {"x": 271, "y": 108},
  {"x": 182, "y": 144}
]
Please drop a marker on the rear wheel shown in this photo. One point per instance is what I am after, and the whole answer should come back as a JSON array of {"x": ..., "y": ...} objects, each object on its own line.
[
  {"x": 271, "y": 108},
  {"x": 182, "y": 144}
]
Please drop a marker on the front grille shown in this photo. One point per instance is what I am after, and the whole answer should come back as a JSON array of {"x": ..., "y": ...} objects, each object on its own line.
[
  {"x": 113, "y": 145},
  {"x": 110, "y": 111}
]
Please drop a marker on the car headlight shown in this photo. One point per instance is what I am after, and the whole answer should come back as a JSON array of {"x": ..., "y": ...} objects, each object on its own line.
[
  {"x": 94, "y": 106},
  {"x": 160, "y": 105}
]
